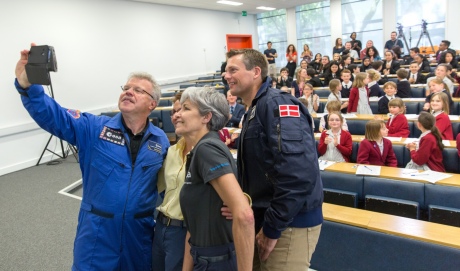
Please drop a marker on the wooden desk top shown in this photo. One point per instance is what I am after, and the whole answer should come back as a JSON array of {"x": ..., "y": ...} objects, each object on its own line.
[
  {"x": 351, "y": 216},
  {"x": 392, "y": 173},
  {"x": 416, "y": 229},
  {"x": 394, "y": 225}
]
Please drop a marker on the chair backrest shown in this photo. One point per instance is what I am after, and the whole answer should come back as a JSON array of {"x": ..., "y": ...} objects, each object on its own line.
[
  {"x": 418, "y": 92},
  {"x": 184, "y": 86}
]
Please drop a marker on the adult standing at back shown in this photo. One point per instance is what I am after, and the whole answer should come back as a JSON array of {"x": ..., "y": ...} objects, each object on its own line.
[
  {"x": 277, "y": 166},
  {"x": 392, "y": 42},
  {"x": 291, "y": 57},
  {"x": 355, "y": 44},
  {"x": 271, "y": 54},
  {"x": 119, "y": 158}
]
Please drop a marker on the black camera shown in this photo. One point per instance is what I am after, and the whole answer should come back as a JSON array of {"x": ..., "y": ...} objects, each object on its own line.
[{"x": 42, "y": 60}]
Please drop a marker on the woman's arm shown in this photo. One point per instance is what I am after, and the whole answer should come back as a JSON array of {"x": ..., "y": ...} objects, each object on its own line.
[
  {"x": 188, "y": 261},
  {"x": 243, "y": 218},
  {"x": 315, "y": 102}
]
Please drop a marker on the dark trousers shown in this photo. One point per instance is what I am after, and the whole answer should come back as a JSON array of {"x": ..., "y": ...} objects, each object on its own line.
[
  {"x": 168, "y": 247},
  {"x": 291, "y": 67},
  {"x": 218, "y": 258}
]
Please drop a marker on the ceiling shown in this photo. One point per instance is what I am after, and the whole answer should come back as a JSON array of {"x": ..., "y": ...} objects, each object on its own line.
[{"x": 248, "y": 5}]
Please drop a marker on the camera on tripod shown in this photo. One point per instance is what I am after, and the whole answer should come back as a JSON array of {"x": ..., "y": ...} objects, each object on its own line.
[
  {"x": 424, "y": 24},
  {"x": 42, "y": 60}
]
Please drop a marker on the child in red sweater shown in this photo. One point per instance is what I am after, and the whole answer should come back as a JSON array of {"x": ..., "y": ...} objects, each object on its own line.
[
  {"x": 427, "y": 153},
  {"x": 375, "y": 149},
  {"x": 397, "y": 124},
  {"x": 335, "y": 144},
  {"x": 440, "y": 109}
]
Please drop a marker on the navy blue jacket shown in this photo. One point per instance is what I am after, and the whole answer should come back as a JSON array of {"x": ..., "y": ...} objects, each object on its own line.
[{"x": 278, "y": 164}]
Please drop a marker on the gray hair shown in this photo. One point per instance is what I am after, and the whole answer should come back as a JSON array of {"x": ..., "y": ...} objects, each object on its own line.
[
  {"x": 156, "y": 93},
  {"x": 207, "y": 100}
]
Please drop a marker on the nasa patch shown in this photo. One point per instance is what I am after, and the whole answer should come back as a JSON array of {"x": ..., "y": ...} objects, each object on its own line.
[
  {"x": 154, "y": 146},
  {"x": 111, "y": 135},
  {"x": 74, "y": 113}
]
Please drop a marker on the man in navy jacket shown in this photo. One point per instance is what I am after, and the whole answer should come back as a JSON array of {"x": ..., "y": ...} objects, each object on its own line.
[{"x": 277, "y": 166}]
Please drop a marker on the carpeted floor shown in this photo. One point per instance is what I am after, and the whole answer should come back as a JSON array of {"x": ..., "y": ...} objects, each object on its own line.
[{"x": 37, "y": 225}]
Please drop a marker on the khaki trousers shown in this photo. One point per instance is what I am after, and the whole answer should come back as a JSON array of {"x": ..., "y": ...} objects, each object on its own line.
[{"x": 292, "y": 252}]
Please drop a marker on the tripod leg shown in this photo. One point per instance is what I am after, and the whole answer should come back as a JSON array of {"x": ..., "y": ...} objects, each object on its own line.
[
  {"x": 421, "y": 35},
  {"x": 429, "y": 39},
  {"x": 405, "y": 43},
  {"x": 46, "y": 147}
]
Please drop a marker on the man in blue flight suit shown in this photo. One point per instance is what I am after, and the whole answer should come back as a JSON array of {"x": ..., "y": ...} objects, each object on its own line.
[
  {"x": 277, "y": 166},
  {"x": 119, "y": 160}
]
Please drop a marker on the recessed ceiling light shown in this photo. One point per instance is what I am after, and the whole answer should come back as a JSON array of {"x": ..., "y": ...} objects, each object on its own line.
[
  {"x": 265, "y": 8},
  {"x": 229, "y": 3}
]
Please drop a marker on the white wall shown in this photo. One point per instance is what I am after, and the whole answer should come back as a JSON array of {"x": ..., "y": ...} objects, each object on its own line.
[
  {"x": 98, "y": 43},
  {"x": 452, "y": 8}
]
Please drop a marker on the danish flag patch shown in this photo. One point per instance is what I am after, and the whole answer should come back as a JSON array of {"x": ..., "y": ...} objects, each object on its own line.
[{"x": 289, "y": 111}]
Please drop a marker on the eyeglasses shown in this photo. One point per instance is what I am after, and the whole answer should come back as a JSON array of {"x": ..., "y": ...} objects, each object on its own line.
[{"x": 136, "y": 89}]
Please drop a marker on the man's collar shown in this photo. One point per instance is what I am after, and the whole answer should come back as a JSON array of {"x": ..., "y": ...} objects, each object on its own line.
[{"x": 131, "y": 132}]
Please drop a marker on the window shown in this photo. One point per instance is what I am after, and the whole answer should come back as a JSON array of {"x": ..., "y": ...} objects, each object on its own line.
[
  {"x": 271, "y": 26},
  {"x": 410, "y": 15},
  {"x": 364, "y": 18},
  {"x": 314, "y": 27}
]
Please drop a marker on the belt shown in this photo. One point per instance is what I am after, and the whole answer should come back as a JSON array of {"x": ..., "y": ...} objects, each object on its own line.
[
  {"x": 111, "y": 215},
  {"x": 215, "y": 259},
  {"x": 167, "y": 221}
]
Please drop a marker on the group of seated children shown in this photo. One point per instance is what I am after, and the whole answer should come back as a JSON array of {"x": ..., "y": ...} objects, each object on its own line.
[{"x": 426, "y": 153}]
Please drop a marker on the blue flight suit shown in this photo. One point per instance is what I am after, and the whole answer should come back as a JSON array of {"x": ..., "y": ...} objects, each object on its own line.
[
  {"x": 115, "y": 224},
  {"x": 278, "y": 163}
]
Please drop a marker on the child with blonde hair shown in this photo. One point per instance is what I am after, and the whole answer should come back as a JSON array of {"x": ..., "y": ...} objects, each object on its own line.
[
  {"x": 335, "y": 86},
  {"x": 335, "y": 144},
  {"x": 332, "y": 106},
  {"x": 359, "y": 95},
  {"x": 390, "y": 93},
  {"x": 439, "y": 106},
  {"x": 374, "y": 88}
]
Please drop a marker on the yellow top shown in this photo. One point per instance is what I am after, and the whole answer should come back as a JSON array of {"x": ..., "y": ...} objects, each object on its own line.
[{"x": 171, "y": 179}]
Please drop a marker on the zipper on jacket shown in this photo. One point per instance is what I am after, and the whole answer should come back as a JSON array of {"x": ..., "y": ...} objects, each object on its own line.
[
  {"x": 278, "y": 130},
  {"x": 129, "y": 188}
]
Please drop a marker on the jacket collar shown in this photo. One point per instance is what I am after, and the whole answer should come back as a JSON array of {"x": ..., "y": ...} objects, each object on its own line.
[{"x": 263, "y": 88}]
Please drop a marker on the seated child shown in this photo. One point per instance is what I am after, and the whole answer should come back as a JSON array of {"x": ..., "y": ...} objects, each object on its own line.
[
  {"x": 440, "y": 110},
  {"x": 332, "y": 106},
  {"x": 374, "y": 88},
  {"x": 390, "y": 93},
  {"x": 403, "y": 85},
  {"x": 397, "y": 124},
  {"x": 427, "y": 152},
  {"x": 335, "y": 144},
  {"x": 375, "y": 149},
  {"x": 415, "y": 76},
  {"x": 335, "y": 87}
]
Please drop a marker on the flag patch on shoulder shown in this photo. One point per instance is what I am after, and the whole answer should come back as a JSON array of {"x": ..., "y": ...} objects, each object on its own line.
[{"x": 289, "y": 111}]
